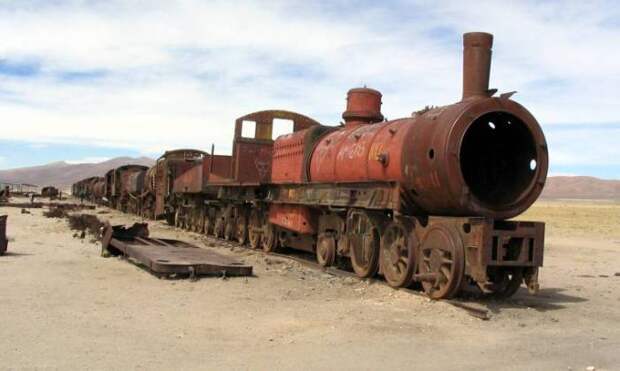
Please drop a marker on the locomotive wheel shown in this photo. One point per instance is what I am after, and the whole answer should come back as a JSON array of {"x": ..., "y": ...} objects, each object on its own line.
[
  {"x": 326, "y": 250},
  {"x": 442, "y": 262},
  {"x": 229, "y": 231},
  {"x": 506, "y": 283},
  {"x": 193, "y": 220},
  {"x": 200, "y": 221},
  {"x": 364, "y": 245},
  {"x": 218, "y": 228},
  {"x": 255, "y": 230},
  {"x": 269, "y": 242},
  {"x": 242, "y": 228},
  {"x": 398, "y": 250},
  {"x": 208, "y": 230},
  {"x": 177, "y": 218}
]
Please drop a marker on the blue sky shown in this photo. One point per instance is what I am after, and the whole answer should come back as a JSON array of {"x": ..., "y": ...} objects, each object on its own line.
[{"x": 90, "y": 80}]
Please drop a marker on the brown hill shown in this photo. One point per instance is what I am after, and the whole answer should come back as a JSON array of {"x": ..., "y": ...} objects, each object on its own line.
[
  {"x": 581, "y": 187},
  {"x": 61, "y": 174}
]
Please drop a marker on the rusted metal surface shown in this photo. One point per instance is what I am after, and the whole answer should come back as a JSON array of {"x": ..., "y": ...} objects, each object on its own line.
[
  {"x": 363, "y": 107},
  {"x": 481, "y": 156},
  {"x": 49, "y": 191},
  {"x": 484, "y": 249},
  {"x": 38, "y": 205},
  {"x": 291, "y": 153},
  {"x": 476, "y": 64},
  {"x": 422, "y": 199},
  {"x": 212, "y": 168},
  {"x": 90, "y": 189},
  {"x": 293, "y": 217},
  {"x": 166, "y": 256},
  {"x": 251, "y": 162},
  {"x": 4, "y": 243},
  {"x": 363, "y": 195},
  {"x": 160, "y": 179},
  {"x": 121, "y": 184}
]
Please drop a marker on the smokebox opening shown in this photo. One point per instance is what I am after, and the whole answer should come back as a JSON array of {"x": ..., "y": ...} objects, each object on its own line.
[{"x": 498, "y": 158}]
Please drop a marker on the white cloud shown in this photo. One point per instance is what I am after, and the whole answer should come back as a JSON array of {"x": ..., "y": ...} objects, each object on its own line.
[
  {"x": 88, "y": 160},
  {"x": 177, "y": 74}
]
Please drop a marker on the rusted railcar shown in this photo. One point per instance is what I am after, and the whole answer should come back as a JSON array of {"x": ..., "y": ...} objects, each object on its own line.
[
  {"x": 85, "y": 189},
  {"x": 216, "y": 196},
  {"x": 155, "y": 200},
  {"x": 121, "y": 186},
  {"x": 49, "y": 191}
]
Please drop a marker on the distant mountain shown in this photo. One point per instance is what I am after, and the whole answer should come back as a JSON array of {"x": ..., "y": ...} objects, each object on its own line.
[
  {"x": 581, "y": 187},
  {"x": 61, "y": 174}
]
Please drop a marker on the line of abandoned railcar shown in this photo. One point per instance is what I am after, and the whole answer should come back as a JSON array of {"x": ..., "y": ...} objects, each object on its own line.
[{"x": 425, "y": 199}]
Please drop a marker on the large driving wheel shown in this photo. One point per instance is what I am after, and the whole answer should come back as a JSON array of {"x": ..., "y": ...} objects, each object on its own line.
[
  {"x": 177, "y": 218},
  {"x": 442, "y": 262},
  {"x": 398, "y": 254},
  {"x": 208, "y": 230},
  {"x": 269, "y": 241},
  {"x": 200, "y": 223},
  {"x": 229, "y": 230},
  {"x": 242, "y": 227},
  {"x": 364, "y": 243},
  {"x": 255, "y": 229},
  {"x": 220, "y": 224},
  {"x": 326, "y": 250}
]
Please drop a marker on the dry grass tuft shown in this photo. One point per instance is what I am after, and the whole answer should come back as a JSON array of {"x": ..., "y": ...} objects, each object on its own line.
[{"x": 86, "y": 223}]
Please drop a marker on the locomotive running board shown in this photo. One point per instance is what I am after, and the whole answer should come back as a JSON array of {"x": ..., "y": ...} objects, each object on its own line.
[{"x": 165, "y": 257}]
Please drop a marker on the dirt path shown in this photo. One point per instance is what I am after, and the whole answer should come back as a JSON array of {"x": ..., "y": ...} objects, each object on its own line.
[{"x": 64, "y": 307}]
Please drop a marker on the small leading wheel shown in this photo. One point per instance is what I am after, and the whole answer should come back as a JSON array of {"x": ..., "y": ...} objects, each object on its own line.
[
  {"x": 442, "y": 262},
  {"x": 326, "y": 250},
  {"x": 255, "y": 229},
  {"x": 398, "y": 250},
  {"x": 506, "y": 282},
  {"x": 242, "y": 228},
  {"x": 269, "y": 242},
  {"x": 364, "y": 243}
]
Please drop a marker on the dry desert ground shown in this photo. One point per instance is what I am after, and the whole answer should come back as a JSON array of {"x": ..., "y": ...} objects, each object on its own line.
[{"x": 62, "y": 306}]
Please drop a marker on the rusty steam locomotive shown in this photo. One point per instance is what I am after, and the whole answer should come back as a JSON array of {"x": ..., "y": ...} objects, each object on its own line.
[{"x": 423, "y": 199}]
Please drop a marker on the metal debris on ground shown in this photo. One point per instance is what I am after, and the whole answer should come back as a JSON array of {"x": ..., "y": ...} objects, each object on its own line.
[
  {"x": 38, "y": 205},
  {"x": 54, "y": 212},
  {"x": 167, "y": 257},
  {"x": 3, "y": 241}
]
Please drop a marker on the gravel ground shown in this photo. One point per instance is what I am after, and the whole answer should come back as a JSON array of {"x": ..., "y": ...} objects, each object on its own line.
[{"x": 64, "y": 307}]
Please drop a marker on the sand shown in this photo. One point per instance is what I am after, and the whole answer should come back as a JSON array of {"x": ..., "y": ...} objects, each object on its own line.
[{"x": 62, "y": 306}]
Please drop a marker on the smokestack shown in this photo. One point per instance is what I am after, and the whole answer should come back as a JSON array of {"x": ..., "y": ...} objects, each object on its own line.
[{"x": 476, "y": 63}]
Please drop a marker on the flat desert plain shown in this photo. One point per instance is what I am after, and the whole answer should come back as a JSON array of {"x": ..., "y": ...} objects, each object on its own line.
[{"x": 62, "y": 306}]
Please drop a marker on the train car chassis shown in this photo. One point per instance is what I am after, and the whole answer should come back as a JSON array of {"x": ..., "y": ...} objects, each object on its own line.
[{"x": 360, "y": 223}]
